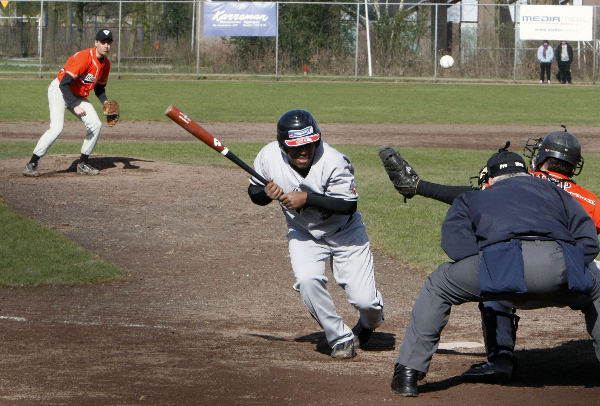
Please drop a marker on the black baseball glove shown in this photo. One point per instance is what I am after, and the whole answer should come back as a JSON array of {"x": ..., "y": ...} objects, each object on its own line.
[{"x": 402, "y": 175}]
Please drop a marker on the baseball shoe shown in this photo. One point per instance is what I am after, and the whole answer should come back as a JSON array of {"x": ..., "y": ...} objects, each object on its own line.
[
  {"x": 344, "y": 350},
  {"x": 498, "y": 371},
  {"x": 548, "y": 81},
  {"x": 86, "y": 169},
  {"x": 405, "y": 380},
  {"x": 31, "y": 170},
  {"x": 362, "y": 335},
  {"x": 541, "y": 81}
]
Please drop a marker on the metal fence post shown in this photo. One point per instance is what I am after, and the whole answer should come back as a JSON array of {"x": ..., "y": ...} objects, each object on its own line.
[
  {"x": 198, "y": 25},
  {"x": 435, "y": 43},
  {"x": 517, "y": 33},
  {"x": 193, "y": 25},
  {"x": 119, "y": 46},
  {"x": 368, "y": 39},
  {"x": 41, "y": 36},
  {"x": 356, "y": 42},
  {"x": 277, "y": 43},
  {"x": 595, "y": 52}
]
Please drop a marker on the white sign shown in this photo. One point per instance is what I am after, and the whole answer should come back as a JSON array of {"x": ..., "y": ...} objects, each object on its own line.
[
  {"x": 463, "y": 11},
  {"x": 556, "y": 23},
  {"x": 240, "y": 19}
]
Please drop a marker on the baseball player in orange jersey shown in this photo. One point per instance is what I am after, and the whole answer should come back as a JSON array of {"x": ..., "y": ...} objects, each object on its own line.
[
  {"x": 588, "y": 200},
  {"x": 85, "y": 71}
]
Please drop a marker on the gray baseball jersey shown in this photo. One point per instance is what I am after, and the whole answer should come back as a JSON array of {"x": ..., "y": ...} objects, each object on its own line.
[{"x": 331, "y": 174}]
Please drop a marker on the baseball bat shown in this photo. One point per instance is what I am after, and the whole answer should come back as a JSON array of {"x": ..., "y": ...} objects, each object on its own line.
[{"x": 197, "y": 131}]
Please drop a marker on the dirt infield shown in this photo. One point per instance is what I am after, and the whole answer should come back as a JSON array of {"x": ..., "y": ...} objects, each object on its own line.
[{"x": 207, "y": 314}]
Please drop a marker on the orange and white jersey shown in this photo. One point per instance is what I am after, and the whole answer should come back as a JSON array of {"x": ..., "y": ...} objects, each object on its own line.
[
  {"x": 588, "y": 200},
  {"x": 86, "y": 70}
]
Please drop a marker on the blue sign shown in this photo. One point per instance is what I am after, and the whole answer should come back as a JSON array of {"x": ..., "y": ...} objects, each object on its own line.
[{"x": 240, "y": 19}]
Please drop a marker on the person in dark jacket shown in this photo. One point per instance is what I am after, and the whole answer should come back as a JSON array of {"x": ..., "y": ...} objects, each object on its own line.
[
  {"x": 564, "y": 57},
  {"x": 522, "y": 240}
]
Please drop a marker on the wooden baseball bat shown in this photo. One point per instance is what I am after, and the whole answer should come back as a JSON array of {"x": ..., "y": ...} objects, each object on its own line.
[{"x": 197, "y": 131}]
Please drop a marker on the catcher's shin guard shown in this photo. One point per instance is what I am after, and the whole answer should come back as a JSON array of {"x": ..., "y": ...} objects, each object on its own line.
[{"x": 492, "y": 329}]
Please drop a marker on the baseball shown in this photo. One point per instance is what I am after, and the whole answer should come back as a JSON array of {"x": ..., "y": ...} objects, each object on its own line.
[{"x": 446, "y": 61}]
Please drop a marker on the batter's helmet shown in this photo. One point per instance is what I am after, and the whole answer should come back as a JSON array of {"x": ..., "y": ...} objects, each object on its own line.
[
  {"x": 296, "y": 128},
  {"x": 561, "y": 145}
]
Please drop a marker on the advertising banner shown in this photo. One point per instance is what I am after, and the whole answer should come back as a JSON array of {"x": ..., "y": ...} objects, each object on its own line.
[
  {"x": 240, "y": 19},
  {"x": 556, "y": 23}
]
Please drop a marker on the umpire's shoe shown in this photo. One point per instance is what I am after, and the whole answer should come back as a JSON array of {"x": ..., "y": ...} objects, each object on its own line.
[
  {"x": 499, "y": 370},
  {"x": 86, "y": 169},
  {"x": 405, "y": 380}
]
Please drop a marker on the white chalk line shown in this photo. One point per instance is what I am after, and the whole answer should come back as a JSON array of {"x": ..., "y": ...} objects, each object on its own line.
[{"x": 87, "y": 323}]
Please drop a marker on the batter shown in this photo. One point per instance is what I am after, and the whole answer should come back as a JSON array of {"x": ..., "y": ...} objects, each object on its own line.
[{"x": 314, "y": 184}]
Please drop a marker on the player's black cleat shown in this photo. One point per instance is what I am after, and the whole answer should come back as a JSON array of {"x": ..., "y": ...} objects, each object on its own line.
[
  {"x": 405, "y": 380},
  {"x": 363, "y": 334}
]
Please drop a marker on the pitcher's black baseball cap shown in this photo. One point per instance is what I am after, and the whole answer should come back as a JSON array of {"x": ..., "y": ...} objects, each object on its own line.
[{"x": 104, "y": 35}]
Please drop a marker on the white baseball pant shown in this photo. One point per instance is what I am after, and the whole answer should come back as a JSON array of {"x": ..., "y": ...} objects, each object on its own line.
[
  {"x": 57, "y": 106},
  {"x": 352, "y": 266}
]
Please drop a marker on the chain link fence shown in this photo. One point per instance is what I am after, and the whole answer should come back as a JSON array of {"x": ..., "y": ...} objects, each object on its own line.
[{"x": 404, "y": 41}]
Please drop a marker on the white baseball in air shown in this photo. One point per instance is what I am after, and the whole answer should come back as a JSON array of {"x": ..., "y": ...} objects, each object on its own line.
[{"x": 446, "y": 61}]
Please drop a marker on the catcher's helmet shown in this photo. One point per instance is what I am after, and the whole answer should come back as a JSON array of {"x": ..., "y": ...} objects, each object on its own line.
[
  {"x": 296, "y": 128},
  {"x": 561, "y": 145}
]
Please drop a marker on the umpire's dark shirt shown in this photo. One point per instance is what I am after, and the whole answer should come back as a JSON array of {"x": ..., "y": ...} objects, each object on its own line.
[{"x": 521, "y": 206}]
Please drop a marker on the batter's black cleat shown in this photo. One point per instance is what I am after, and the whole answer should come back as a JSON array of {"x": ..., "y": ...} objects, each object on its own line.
[
  {"x": 405, "y": 380},
  {"x": 362, "y": 334},
  {"x": 498, "y": 371}
]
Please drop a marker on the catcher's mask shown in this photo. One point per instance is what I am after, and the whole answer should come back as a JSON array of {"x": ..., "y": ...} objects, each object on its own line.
[
  {"x": 501, "y": 163},
  {"x": 558, "y": 144},
  {"x": 296, "y": 128}
]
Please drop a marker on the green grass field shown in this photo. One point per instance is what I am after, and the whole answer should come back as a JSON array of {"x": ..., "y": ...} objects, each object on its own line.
[
  {"x": 330, "y": 102},
  {"x": 408, "y": 231}
]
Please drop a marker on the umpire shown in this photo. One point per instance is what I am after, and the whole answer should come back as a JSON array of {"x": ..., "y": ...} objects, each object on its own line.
[{"x": 522, "y": 240}]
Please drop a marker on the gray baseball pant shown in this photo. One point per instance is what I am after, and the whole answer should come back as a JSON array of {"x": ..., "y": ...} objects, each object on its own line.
[{"x": 458, "y": 282}]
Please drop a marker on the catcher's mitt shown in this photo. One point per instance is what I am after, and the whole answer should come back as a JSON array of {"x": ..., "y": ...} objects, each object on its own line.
[
  {"x": 402, "y": 175},
  {"x": 111, "y": 111}
]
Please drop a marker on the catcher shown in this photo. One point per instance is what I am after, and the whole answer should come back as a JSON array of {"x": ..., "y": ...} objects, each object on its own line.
[{"x": 86, "y": 70}]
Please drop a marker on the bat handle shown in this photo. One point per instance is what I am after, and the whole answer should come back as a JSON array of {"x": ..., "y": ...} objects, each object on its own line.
[{"x": 231, "y": 156}]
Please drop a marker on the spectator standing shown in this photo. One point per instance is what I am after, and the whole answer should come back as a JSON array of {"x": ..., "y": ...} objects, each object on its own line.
[
  {"x": 545, "y": 55},
  {"x": 564, "y": 57}
]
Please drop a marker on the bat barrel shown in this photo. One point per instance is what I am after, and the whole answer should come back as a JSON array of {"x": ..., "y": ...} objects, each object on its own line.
[{"x": 197, "y": 131}]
